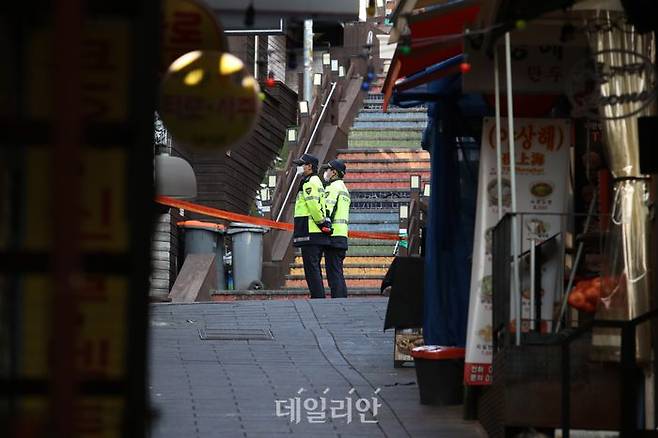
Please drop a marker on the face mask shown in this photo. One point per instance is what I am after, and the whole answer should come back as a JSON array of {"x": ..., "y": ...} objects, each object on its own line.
[
  {"x": 327, "y": 175},
  {"x": 300, "y": 170}
]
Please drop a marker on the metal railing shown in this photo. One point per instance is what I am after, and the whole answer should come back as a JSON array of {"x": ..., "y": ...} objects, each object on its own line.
[
  {"x": 318, "y": 122},
  {"x": 331, "y": 91},
  {"x": 537, "y": 247}
]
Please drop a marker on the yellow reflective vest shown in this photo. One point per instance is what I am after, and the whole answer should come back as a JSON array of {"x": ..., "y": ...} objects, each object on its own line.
[
  {"x": 309, "y": 213},
  {"x": 338, "y": 209}
]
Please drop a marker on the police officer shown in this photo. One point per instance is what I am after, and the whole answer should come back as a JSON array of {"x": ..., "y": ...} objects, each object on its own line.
[
  {"x": 338, "y": 209},
  {"x": 312, "y": 227}
]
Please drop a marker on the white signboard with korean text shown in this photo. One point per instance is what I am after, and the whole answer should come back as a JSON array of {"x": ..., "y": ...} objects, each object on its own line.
[
  {"x": 542, "y": 170},
  {"x": 541, "y": 61}
]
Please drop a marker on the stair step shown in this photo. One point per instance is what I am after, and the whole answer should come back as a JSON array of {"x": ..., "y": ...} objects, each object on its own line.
[
  {"x": 394, "y": 109},
  {"x": 408, "y": 171},
  {"x": 381, "y": 184},
  {"x": 288, "y": 293},
  {"x": 373, "y": 217},
  {"x": 369, "y": 165},
  {"x": 392, "y": 132},
  {"x": 375, "y": 205},
  {"x": 371, "y": 250},
  {"x": 389, "y": 153},
  {"x": 368, "y": 143},
  {"x": 376, "y": 228},
  {"x": 368, "y": 242},
  {"x": 387, "y": 117},
  {"x": 357, "y": 261},
  {"x": 390, "y": 125},
  {"x": 365, "y": 175},
  {"x": 358, "y": 224},
  {"x": 298, "y": 281},
  {"x": 348, "y": 270},
  {"x": 355, "y": 244},
  {"x": 351, "y": 291}
]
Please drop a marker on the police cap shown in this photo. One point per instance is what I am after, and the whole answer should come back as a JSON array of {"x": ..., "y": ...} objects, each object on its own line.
[{"x": 306, "y": 159}]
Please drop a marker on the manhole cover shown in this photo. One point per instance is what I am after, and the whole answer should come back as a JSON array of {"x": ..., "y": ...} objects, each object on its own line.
[{"x": 214, "y": 334}]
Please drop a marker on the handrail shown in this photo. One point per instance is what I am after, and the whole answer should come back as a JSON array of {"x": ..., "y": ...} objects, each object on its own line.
[{"x": 308, "y": 146}]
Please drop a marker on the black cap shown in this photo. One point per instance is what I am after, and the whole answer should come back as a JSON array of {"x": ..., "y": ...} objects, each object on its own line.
[
  {"x": 306, "y": 159},
  {"x": 337, "y": 165}
]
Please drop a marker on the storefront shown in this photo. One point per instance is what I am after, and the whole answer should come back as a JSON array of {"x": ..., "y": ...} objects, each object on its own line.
[{"x": 521, "y": 258}]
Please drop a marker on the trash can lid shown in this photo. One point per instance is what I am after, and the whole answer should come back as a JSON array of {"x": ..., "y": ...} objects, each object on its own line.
[
  {"x": 200, "y": 225},
  {"x": 241, "y": 227},
  {"x": 438, "y": 352}
]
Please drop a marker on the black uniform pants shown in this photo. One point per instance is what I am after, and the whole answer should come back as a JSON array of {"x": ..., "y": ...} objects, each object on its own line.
[
  {"x": 333, "y": 258},
  {"x": 311, "y": 256}
]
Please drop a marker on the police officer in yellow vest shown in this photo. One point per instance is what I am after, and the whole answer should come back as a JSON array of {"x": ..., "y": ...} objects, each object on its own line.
[
  {"x": 312, "y": 227},
  {"x": 338, "y": 209}
]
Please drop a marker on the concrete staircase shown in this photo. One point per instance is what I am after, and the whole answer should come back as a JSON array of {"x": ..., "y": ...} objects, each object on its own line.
[{"x": 383, "y": 151}]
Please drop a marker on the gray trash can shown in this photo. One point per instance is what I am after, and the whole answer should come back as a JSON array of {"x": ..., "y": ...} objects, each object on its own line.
[
  {"x": 247, "y": 242},
  {"x": 206, "y": 238}
]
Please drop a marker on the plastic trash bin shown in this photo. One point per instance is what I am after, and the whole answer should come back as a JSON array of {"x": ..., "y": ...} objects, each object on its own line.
[
  {"x": 247, "y": 263},
  {"x": 440, "y": 374},
  {"x": 206, "y": 238}
]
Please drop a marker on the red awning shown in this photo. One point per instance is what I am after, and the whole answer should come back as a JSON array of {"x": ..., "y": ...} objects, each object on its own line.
[{"x": 435, "y": 37}]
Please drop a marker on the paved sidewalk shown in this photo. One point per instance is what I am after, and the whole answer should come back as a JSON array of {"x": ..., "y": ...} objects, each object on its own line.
[{"x": 229, "y": 388}]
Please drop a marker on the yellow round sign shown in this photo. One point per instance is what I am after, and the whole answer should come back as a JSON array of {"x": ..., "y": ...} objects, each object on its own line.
[
  {"x": 188, "y": 25},
  {"x": 209, "y": 101}
]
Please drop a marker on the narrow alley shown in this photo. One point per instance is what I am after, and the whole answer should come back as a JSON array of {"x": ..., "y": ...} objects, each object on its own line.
[{"x": 260, "y": 354}]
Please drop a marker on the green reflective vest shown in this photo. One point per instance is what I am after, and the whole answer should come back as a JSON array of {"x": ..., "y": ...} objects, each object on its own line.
[
  {"x": 338, "y": 208},
  {"x": 309, "y": 212}
]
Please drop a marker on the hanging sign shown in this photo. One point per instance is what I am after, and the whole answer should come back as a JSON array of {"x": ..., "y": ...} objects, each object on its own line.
[
  {"x": 105, "y": 69},
  {"x": 188, "y": 25},
  {"x": 540, "y": 61},
  {"x": 542, "y": 168},
  {"x": 208, "y": 101}
]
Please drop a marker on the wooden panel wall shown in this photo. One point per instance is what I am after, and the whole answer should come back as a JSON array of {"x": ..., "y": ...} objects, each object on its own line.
[
  {"x": 277, "y": 56},
  {"x": 229, "y": 180},
  {"x": 164, "y": 255}
]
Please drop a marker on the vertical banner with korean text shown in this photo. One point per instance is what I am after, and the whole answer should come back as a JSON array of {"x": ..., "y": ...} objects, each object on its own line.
[{"x": 542, "y": 170}]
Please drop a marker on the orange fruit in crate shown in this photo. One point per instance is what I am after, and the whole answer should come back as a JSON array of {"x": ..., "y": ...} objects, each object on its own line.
[
  {"x": 577, "y": 299},
  {"x": 592, "y": 294}
]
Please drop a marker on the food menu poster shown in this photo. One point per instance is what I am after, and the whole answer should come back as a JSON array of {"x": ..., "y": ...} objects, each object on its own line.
[{"x": 542, "y": 170}]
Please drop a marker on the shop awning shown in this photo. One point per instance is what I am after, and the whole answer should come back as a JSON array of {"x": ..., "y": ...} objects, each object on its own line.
[
  {"x": 415, "y": 89},
  {"x": 435, "y": 36}
]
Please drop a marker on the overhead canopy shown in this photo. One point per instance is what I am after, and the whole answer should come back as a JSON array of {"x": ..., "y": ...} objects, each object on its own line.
[
  {"x": 414, "y": 89},
  {"x": 434, "y": 36}
]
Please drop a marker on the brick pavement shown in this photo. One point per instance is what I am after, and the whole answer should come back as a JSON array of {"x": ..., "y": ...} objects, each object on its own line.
[{"x": 228, "y": 388}]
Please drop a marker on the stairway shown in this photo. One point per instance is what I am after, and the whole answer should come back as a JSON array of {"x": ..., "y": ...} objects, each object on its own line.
[{"x": 383, "y": 151}]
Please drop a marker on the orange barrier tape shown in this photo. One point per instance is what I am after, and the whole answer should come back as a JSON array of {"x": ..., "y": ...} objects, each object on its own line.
[{"x": 236, "y": 217}]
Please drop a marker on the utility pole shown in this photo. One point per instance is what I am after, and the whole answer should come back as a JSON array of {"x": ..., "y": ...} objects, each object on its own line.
[{"x": 308, "y": 61}]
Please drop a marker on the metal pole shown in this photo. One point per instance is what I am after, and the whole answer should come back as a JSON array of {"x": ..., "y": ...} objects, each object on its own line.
[
  {"x": 515, "y": 220},
  {"x": 256, "y": 57},
  {"x": 565, "y": 409},
  {"x": 499, "y": 152},
  {"x": 574, "y": 267},
  {"x": 308, "y": 61},
  {"x": 533, "y": 256}
]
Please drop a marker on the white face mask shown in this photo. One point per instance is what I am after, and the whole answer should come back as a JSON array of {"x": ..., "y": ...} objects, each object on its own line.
[
  {"x": 327, "y": 175},
  {"x": 300, "y": 170}
]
